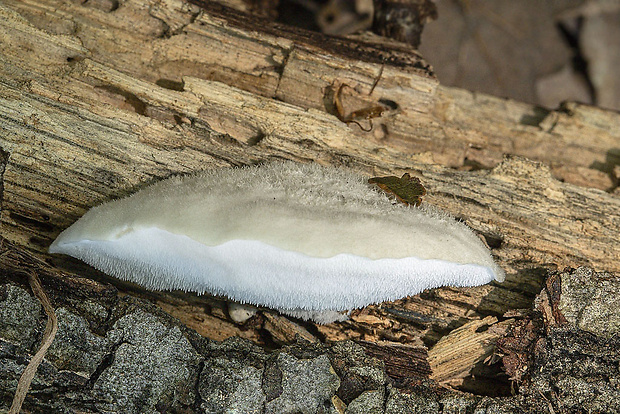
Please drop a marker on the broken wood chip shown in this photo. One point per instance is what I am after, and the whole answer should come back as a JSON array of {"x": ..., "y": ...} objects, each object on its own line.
[
  {"x": 406, "y": 189},
  {"x": 517, "y": 348},
  {"x": 403, "y": 363}
]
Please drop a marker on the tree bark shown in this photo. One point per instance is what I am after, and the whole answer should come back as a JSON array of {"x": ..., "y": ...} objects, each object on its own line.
[{"x": 99, "y": 99}]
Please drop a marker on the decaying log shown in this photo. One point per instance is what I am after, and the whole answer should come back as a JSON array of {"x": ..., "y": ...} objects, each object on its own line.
[{"x": 97, "y": 101}]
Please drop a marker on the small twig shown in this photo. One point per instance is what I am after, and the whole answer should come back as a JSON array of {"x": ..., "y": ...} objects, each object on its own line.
[
  {"x": 377, "y": 79},
  {"x": 48, "y": 337}
]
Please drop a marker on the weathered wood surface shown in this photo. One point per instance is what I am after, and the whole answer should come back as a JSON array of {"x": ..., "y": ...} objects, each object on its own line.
[{"x": 98, "y": 101}]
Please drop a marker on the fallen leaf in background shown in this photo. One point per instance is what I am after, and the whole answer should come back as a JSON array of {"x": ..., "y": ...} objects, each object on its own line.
[
  {"x": 567, "y": 84},
  {"x": 600, "y": 44},
  {"x": 501, "y": 47}
]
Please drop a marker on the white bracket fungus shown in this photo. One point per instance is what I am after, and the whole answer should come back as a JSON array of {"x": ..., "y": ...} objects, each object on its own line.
[{"x": 293, "y": 237}]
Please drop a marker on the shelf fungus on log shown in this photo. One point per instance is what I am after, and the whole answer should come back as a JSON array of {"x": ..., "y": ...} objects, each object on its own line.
[{"x": 304, "y": 239}]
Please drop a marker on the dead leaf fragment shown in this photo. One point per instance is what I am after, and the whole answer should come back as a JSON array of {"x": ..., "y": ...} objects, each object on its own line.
[{"x": 406, "y": 189}]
